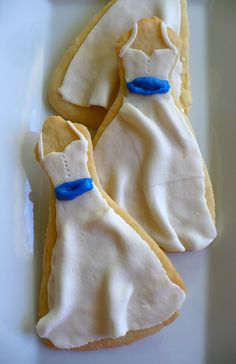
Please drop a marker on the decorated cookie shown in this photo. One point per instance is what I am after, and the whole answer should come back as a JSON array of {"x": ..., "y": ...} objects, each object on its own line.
[
  {"x": 86, "y": 82},
  {"x": 105, "y": 281},
  {"x": 146, "y": 155}
]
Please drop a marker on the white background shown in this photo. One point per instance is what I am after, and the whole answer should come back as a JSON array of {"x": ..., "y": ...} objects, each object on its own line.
[{"x": 33, "y": 37}]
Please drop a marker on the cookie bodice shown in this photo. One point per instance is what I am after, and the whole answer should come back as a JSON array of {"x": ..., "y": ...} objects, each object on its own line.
[
  {"x": 163, "y": 65},
  {"x": 69, "y": 165},
  {"x": 138, "y": 64}
]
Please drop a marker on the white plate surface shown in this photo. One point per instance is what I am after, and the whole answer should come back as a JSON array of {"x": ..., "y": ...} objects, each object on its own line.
[{"x": 33, "y": 37}]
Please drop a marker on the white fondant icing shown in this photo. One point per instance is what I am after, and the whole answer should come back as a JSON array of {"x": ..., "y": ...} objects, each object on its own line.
[
  {"x": 105, "y": 280},
  {"x": 95, "y": 62},
  {"x": 154, "y": 169},
  {"x": 167, "y": 39},
  {"x": 130, "y": 41}
]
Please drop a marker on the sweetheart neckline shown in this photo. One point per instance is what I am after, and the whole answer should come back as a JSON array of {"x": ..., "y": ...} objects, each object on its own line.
[
  {"x": 64, "y": 150},
  {"x": 153, "y": 52}
]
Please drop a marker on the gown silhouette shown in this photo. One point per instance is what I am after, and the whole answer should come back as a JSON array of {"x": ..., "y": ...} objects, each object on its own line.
[
  {"x": 105, "y": 279},
  {"x": 148, "y": 160}
]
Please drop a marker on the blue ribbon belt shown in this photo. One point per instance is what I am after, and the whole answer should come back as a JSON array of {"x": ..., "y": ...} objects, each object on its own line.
[
  {"x": 148, "y": 86},
  {"x": 69, "y": 191}
]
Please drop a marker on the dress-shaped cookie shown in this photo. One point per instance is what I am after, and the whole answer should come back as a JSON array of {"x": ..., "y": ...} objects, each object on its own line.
[
  {"x": 147, "y": 158},
  {"x": 86, "y": 80},
  {"x": 105, "y": 279}
]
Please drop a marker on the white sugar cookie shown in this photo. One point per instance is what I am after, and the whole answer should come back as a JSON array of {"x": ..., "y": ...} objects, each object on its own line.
[
  {"x": 146, "y": 154},
  {"x": 72, "y": 262}
]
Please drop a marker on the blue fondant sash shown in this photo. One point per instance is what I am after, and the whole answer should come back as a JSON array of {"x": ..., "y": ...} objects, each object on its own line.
[
  {"x": 69, "y": 191},
  {"x": 148, "y": 86}
]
